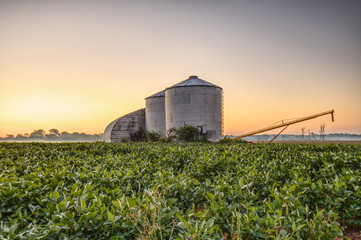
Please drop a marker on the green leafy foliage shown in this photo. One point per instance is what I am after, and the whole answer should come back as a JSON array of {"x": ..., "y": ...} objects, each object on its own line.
[
  {"x": 139, "y": 136},
  {"x": 228, "y": 140},
  {"x": 178, "y": 191},
  {"x": 187, "y": 133},
  {"x": 153, "y": 136},
  {"x": 142, "y": 135}
]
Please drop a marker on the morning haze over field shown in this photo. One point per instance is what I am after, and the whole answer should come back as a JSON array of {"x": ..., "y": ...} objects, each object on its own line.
[{"x": 78, "y": 65}]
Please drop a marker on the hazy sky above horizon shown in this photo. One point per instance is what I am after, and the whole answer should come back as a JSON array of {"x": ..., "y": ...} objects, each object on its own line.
[{"x": 77, "y": 65}]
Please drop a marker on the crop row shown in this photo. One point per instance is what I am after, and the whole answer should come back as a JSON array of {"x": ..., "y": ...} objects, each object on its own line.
[{"x": 178, "y": 191}]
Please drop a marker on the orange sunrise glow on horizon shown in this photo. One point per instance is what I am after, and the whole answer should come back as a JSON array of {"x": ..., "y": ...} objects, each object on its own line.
[{"x": 78, "y": 65}]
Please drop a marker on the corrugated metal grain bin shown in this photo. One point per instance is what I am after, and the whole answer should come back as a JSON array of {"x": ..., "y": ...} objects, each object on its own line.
[
  {"x": 195, "y": 102},
  {"x": 155, "y": 113}
]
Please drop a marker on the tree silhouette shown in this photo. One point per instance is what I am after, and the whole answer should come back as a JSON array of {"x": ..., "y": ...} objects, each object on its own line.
[
  {"x": 53, "y": 135},
  {"x": 9, "y": 137},
  {"x": 21, "y": 137},
  {"x": 65, "y": 135},
  {"x": 37, "y": 134},
  {"x": 54, "y": 132}
]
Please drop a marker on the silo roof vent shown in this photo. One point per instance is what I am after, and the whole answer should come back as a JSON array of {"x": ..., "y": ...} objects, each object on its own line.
[{"x": 194, "y": 81}]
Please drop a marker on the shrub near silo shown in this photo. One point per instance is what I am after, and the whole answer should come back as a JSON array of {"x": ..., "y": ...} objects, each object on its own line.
[
  {"x": 187, "y": 133},
  {"x": 153, "y": 136},
  {"x": 142, "y": 135},
  {"x": 139, "y": 136}
]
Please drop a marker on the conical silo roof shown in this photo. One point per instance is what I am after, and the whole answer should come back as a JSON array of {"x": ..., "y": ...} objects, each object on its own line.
[
  {"x": 158, "y": 94},
  {"x": 194, "y": 81}
]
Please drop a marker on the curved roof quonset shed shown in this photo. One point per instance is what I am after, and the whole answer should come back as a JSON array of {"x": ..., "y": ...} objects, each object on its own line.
[{"x": 122, "y": 127}]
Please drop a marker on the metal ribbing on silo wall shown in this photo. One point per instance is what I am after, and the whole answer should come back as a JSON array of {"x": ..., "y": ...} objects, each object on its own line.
[
  {"x": 155, "y": 115},
  {"x": 122, "y": 127},
  {"x": 196, "y": 106}
]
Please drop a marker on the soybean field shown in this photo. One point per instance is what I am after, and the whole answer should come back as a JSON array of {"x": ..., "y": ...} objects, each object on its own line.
[{"x": 178, "y": 190}]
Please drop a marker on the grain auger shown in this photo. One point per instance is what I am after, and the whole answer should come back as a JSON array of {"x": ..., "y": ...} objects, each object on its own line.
[{"x": 285, "y": 124}]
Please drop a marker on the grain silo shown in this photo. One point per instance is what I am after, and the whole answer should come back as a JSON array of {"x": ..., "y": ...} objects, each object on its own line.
[
  {"x": 155, "y": 113},
  {"x": 198, "y": 103}
]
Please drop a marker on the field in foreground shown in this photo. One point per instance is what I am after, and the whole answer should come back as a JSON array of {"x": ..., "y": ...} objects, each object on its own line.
[
  {"x": 320, "y": 142},
  {"x": 178, "y": 191}
]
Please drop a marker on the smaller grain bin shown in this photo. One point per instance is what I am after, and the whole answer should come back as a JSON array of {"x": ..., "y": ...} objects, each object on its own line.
[
  {"x": 155, "y": 113},
  {"x": 198, "y": 103}
]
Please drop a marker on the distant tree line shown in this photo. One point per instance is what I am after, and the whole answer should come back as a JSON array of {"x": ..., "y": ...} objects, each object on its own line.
[
  {"x": 310, "y": 137},
  {"x": 53, "y": 135}
]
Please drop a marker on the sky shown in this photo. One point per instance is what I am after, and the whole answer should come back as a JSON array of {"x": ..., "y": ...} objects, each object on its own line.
[{"x": 77, "y": 65}]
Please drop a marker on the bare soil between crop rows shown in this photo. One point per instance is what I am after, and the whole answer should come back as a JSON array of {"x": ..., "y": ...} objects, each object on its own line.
[{"x": 353, "y": 232}]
